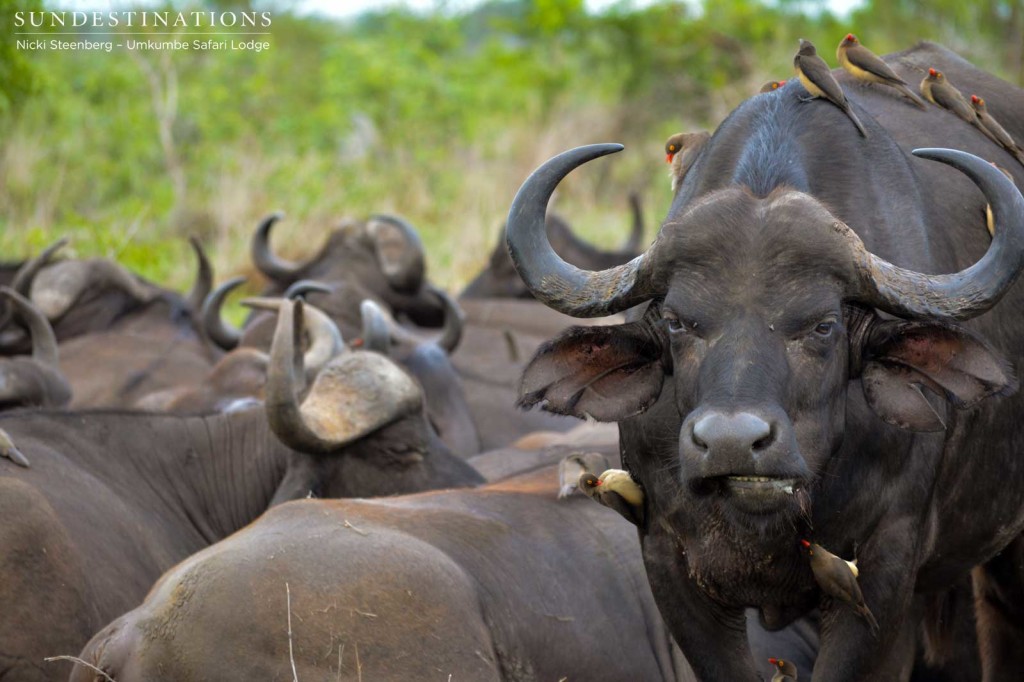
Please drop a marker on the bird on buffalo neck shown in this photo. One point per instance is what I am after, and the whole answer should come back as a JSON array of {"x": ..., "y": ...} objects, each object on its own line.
[
  {"x": 572, "y": 468},
  {"x": 771, "y": 86},
  {"x": 838, "y": 579},
  {"x": 989, "y": 123},
  {"x": 940, "y": 92},
  {"x": 785, "y": 671},
  {"x": 865, "y": 65},
  {"x": 616, "y": 490},
  {"x": 819, "y": 82},
  {"x": 681, "y": 151}
]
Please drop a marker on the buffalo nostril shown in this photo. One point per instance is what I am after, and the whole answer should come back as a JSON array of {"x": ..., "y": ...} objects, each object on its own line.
[
  {"x": 701, "y": 432},
  {"x": 765, "y": 442}
]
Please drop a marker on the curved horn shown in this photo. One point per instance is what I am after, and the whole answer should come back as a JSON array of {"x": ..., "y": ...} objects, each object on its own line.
[
  {"x": 217, "y": 330},
  {"x": 44, "y": 342},
  {"x": 376, "y": 327},
  {"x": 204, "y": 277},
  {"x": 636, "y": 233},
  {"x": 355, "y": 395},
  {"x": 324, "y": 338},
  {"x": 454, "y": 319},
  {"x": 22, "y": 281},
  {"x": 557, "y": 284},
  {"x": 960, "y": 295},
  {"x": 306, "y": 286},
  {"x": 265, "y": 261},
  {"x": 283, "y": 384},
  {"x": 399, "y": 252}
]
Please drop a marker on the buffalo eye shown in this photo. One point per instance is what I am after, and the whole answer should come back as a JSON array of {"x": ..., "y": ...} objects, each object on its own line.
[
  {"x": 673, "y": 323},
  {"x": 825, "y": 329}
]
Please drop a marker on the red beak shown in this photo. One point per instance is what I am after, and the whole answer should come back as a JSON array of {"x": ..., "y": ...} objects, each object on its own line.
[
  {"x": 668, "y": 158},
  {"x": 805, "y": 543},
  {"x": 932, "y": 72},
  {"x": 773, "y": 661}
]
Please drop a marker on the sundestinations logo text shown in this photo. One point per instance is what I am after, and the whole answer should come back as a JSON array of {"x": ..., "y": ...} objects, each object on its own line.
[{"x": 141, "y": 19}]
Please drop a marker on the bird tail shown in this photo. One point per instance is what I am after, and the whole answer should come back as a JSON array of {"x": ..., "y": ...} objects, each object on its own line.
[
  {"x": 910, "y": 94},
  {"x": 1019, "y": 155},
  {"x": 981, "y": 126},
  {"x": 864, "y": 611},
  {"x": 856, "y": 122}
]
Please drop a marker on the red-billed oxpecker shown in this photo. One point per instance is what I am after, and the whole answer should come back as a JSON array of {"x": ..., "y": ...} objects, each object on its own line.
[
  {"x": 940, "y": 92},
  {"x": 769, "y": 86},
  {"x": 997, "y": 131},
  {"x": 865, "y": 65},
  {"x": 616, "y": 490},
  {"x": 818, "y": 80},
  {"x": 785, "y": 671},
  {"x": 837, "y": 578},
  {"x": 681, "y": 151}
]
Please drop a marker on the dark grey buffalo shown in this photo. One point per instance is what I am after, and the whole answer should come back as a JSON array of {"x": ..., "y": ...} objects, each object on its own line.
[
  {"x": 112, "y": 499},
  {"x": 120, "y": 336},
  {"x": 802, "y": 368},
  {"x": 381, "y": 258},
  {"x": 36, "y": 380},
  {"x": 499, "y": 583}
]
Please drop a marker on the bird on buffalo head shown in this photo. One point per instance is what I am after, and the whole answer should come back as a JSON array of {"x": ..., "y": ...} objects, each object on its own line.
[
  {"x": 786, "y": 671},
  {"x": 682, "y": 150},
  {"x": 865, "y": 65},
  {"x": 770, "y": 86},
  {"x": 818, "y": 80},
  {"x": 617, "y": 490},
  {"x": 940, "y": 92},
  {"x": 989, "y": 123},
  {"x": 838, "y": 579}
]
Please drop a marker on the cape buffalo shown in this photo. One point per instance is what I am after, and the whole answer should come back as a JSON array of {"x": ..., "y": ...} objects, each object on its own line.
[
  {"x": 112, "y": 499},
  {"x": 503, "y": 582},
  {"x": 799, "y": 372},
  {"x": 35, "y": 381},
  {"x": 382, "y": 258}
]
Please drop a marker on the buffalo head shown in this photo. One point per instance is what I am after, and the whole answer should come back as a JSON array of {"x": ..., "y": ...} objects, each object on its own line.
[{"x": 762, "y": 315}]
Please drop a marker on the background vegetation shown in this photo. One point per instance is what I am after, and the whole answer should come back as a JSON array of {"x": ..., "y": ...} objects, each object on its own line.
[{"x": 437, "y": 116}]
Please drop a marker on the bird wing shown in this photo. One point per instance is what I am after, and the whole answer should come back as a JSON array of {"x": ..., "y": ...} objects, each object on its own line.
[
  {"x": 998, "y": 131},
  {"x": 948, "y": 97},
  {"x": 863, "y": 58}
]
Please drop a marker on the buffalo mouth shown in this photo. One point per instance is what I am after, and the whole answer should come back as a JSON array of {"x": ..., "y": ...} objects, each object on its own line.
[{"x": 754, "y": 494}]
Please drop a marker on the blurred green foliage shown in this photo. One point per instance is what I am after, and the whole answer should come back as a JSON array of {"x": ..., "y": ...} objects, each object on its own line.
[{"x": 434, "y": 115}]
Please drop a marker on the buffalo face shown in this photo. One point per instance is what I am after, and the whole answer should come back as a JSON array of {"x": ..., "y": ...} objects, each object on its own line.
[{"x": 731, "y": 390}]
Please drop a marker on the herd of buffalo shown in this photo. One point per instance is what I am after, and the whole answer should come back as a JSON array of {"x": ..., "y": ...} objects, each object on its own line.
[{"x": 799, "y": 414}]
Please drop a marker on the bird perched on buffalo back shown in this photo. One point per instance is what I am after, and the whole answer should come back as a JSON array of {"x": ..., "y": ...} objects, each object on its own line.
[
  {"x": 989, "y": 123},
  {"x": 818, "y": 80},
  {"x": 865, "y": 65},
  {"x": 838, "y": 579},
  {"x": 681, "y": 150},
  {"x": 770, "y": 86},
  {"x": 617, "y": 490},
  {"x": 785, "y": 671},
  {"x": 939, "y": 91}
]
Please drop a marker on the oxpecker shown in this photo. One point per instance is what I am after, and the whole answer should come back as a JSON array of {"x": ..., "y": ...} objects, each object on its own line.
[
  {"x": 865, "y": 65},
  {"x": 818, "y": 80}
]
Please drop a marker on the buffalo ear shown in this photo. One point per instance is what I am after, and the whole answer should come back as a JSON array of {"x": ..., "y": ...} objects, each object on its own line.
[
  {"x": 903, "y": 358},
  {"x": 605, "y": 373}
]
